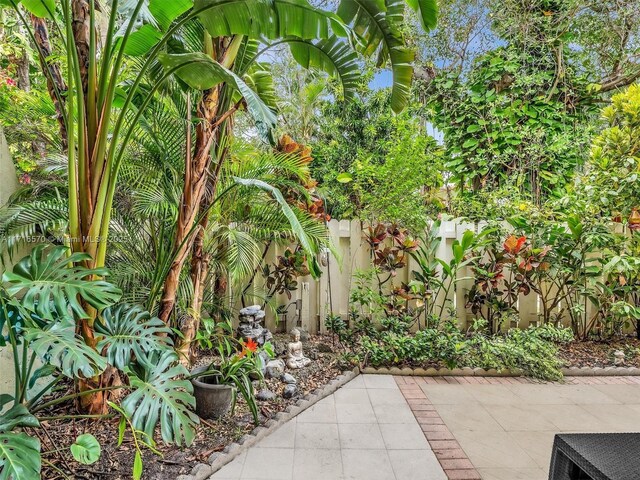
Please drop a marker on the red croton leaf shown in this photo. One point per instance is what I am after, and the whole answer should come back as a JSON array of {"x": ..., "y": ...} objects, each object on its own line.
[{"x": 513, "y": 244}]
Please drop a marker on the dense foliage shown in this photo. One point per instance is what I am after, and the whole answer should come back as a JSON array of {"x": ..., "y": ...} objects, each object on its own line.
[{"x": 165, "y": 150}]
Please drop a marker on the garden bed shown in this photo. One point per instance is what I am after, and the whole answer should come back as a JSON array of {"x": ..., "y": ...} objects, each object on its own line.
[
  {"x": 212, "y": 435},
  {"x": 600, "y": 353}
]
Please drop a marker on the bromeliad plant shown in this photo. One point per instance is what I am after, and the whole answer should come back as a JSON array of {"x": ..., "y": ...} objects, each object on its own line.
[
  {"x": 41, "y": 300},
  {"x": 238, "y": 363}
]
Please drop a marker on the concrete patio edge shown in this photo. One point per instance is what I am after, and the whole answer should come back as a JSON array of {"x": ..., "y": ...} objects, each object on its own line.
[{"x": 217, "y": 460}]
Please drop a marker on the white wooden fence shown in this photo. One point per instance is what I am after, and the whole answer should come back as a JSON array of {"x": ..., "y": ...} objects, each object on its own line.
[{"x": 330, "y": 293}]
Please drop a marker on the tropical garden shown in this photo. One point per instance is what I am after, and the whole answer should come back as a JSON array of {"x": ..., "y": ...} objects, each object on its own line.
[{"x": 164, "y": 150}]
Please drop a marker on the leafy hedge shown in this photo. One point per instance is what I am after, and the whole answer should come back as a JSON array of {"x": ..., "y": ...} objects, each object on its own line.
[{"x": 533, "y": 351}]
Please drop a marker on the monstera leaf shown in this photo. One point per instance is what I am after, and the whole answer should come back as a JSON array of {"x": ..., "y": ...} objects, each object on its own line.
[
  {"x": 19, "y": 453},
  {"x": 129, "y": 330},
  {"x": 10, "y": 318},
  {"x": 52, "y": 285},
  {"x": 59, "y": 345},
  {"x": 86, "y": 449},
  {"x": 158, "y": 396}
]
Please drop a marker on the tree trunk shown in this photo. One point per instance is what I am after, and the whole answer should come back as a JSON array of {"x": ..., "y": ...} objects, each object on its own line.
[
  {"x": 212, "y": 115},
  {"x": 22, "y": 70},
  {"x": 81, "y": 32},
  {"x": 196, "y": 174},
  {"x": 96, "y": 402},
  {"x": 199, "y": 258},
  {"x": 55, "y": 82}
]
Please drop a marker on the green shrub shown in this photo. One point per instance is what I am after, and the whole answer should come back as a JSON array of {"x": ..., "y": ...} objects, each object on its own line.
[{"x": 532, "y": 351}]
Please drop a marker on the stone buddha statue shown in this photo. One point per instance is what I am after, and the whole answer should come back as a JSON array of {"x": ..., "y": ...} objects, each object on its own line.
[{"x": 295, "y": 355}]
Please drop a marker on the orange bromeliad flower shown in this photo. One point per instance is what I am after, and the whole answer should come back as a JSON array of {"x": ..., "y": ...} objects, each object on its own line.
[
  {"x": 251, "y": 345},
  {"x": 248, "y": 346}
]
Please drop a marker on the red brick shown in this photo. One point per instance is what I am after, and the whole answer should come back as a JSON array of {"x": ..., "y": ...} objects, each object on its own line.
[
  {"x": 430, "y": 380},
  {"x": 413, "y": 394},
  {"x": 439, "y": 436},
  {"x": 431, "y": 421},
  {"x": 444, "y": 445},
  {"x": 456, "y": 464},
  {"x": 399, "y": 380},
  {"x": 443, "y": 453},
  {"x": 410, "y": 388},
  {"x": 441, "y": 380},
  {"x": 418, "y": 401},
  {"x": 433, "y": 427},
  {"x": 426, "y": 414},
  {"x": 409, "y": 381},
  {"x": 422, "y": 407},
  {"x": 462, "y": 475}
]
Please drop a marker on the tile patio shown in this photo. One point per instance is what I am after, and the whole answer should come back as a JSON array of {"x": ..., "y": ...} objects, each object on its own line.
[
  {"x": 438, "y": 428},
  {"x": 365, "y": 430}
]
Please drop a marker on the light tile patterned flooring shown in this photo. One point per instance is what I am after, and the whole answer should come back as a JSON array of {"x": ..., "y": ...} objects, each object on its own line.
[
  {"x": 404, "y": 428},
  {"x": 506, "y": 425},
  {"x": 365, "y": 430}
]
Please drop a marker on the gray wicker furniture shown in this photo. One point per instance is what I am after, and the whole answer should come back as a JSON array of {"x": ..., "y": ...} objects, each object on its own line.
[{"x": 595, "y": 456}]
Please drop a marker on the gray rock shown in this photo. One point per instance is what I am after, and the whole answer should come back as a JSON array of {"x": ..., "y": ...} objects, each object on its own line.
[
  {"x": 289, "y": 390},
  {"x": 304, "y": 334},
  {"x": 274, "y": 368},
  {"x": 265, "y": 394},
  {"x": 259, "y": 316},
  {"x": 288, "y": 378},
  {"x": 263, "y": 359},
  {"x": 202, "y": 471},
  {"x": 250, "y": 311}
]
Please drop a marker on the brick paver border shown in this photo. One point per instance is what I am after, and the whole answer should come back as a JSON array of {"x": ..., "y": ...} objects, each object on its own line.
[
  {"x": 452, "y": 458},
  {"x": 454, "y": 461}
]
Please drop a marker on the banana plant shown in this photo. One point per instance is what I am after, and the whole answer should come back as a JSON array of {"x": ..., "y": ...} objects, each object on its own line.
[{"x": 106, "y": 94}]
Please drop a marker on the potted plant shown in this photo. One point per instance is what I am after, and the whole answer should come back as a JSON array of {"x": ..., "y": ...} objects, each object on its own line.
[{"x": 217, "y": 385}]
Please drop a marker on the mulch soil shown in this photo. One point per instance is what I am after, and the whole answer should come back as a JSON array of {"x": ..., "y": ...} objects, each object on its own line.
[
  {"x": 212, "y": 435},
  {"x": 600, "y": 353}
]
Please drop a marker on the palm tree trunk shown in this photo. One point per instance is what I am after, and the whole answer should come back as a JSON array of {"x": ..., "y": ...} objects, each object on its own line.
[
  {"x": 196, "y": 174},
  {"x": 90, "y": 179},
  {"x": 55, "y": 82},
  {"x": 213, "y": 113},
  {"x": 199, "y": 258}
]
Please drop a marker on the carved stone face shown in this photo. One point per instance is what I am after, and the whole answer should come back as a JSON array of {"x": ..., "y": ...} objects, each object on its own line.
[{"x": 295, "y": 334}]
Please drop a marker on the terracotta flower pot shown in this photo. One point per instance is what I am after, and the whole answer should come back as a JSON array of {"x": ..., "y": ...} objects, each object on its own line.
[{"x": 212, "y": 400}]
